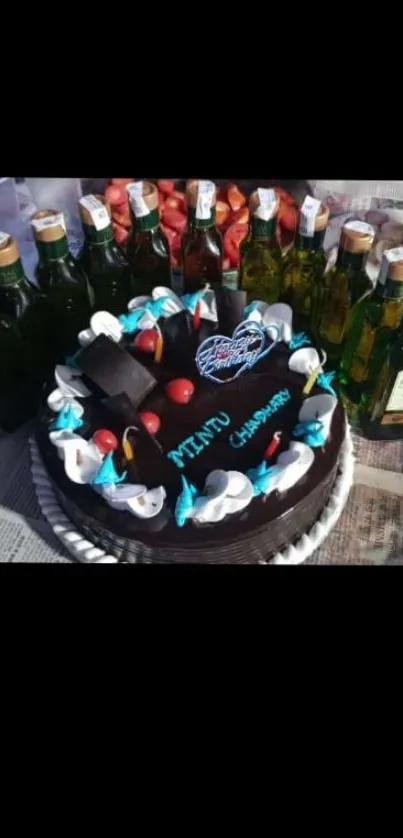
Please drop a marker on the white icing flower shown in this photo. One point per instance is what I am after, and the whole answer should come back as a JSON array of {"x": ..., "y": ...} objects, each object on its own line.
[
  {"x": 279, "y": 315},
  {"x": 62, "y": 439},
  {"x": 224, "y": 493},
  {"x": 101, "y": 323},
  {"x": 319, "y": 408},
  {"x": 306, "y": 360},
  {"x": 70, "y": 383},
  {"x": 137, "y": 499},
  {"x": 81, "y": 460},
  {"x": 57, "y": 400},
  {"x": 292, "y": 465}
]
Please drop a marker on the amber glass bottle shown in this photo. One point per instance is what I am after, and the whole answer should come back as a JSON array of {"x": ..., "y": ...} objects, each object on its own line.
[
  {"x": 201, "y": 242},
  {"x": 261, "y": 257},
  {"x": 147, "y": 247},
  {"x": 102, "y": 259}
]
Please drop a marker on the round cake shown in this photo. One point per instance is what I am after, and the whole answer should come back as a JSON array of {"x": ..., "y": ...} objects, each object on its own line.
[{"x": 193, "y": 429}]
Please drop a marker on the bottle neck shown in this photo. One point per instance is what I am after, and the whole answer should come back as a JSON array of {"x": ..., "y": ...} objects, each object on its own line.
[
  {"x": 201, "y": 223},
  {"x": 355, "y": 261},
  {"x": 263, "y": 229},
  {"x": 98, "y": 237},
  {"x": 11, "y": 274},
  {"x": 313, "y": 243},
  {"x": 391, "y": 290},
  {"x": 52, "y": 251},
  {"x": 145, "y": 223}
]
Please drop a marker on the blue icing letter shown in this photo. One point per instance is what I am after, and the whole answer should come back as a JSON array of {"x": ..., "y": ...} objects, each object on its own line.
[
  {"x": 175, "y": 457},
  {"x": 240, "y": 438},
  {"x": 223, "y": 418},
  {"x": 205, "y": 437}
]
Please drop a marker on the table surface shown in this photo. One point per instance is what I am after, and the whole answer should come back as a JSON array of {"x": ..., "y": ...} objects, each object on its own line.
[{"x": 369, "y": 530}]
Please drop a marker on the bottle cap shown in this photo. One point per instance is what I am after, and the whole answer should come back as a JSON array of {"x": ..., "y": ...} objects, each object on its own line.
[
  {"x": 192, "y": 192},
  {"x": 9, "y": 253},
  {"x": 391, "y": 266},
  {"x": 264, "y": 203},
  {"x": 85, "y": 208},
  {"x": 357, "y": 237},
  {"x": 48, "y": 225},
  {"x": 322, "y": 219},
  {"x": 143, "y": 197}
]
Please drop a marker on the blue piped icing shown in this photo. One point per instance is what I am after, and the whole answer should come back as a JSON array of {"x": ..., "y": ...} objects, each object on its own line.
[
  {"x": 325, "y": 379},
  {"x": 66, "y": 420},
  {"x": 261, "y": 478},
  {"x": 107, "y": 473},
  {"x": 298, "y": 340},
  {"x": 311, "y": 433},
  {"x": 185, "y": 502},
  {"x": 201, "y": 439}
]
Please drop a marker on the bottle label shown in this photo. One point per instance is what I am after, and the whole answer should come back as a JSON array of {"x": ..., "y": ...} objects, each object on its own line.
[
  {"x": 267, "y": 204},
  {"x": 395, "y": 254},
  {"x": 205, "y": 199},
  {"x": 396, "y": 397},
  {"x": 136, "y": 199},
  {"x": 309, "y": 211},
  {"x": 4, "y": 237},
  {"x": 97, "y": 211},
  {"x": 360, "y": 227},
  {"x": 56, "y": 220}
]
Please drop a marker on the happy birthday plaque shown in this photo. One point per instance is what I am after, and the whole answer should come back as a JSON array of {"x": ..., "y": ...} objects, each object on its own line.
[{"x": 222, "y": 359}]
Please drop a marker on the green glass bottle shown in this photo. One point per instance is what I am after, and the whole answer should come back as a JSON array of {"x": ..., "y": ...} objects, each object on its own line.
[
  {"x": 374, "y": 324},
  {"x": 342, "y": 288},
  {"x": 261, "y": 255},
  {"x": 305, "y": 263},
  {"x": 383, "y": 418},
  {"x": 201, "y": 241},
  {"x": 147, "y": 246},
  {"x": 63, "y": 285},
  {"x": 23, "y": 363},
  {"x": 101, "y": 258}
]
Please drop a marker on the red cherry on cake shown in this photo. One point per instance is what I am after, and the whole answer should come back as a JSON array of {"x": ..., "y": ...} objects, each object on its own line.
[
  {"x": 180, "y": 390},
  {"x": 146, "y": 341},
  {"x": 105, "y": 441},
  {"x": 151, "y": 421}
]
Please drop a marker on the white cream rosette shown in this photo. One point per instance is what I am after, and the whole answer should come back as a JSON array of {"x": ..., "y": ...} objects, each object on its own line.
[
  {"x": 319, "y": 408},
  {"x": 224, "y": 493}
]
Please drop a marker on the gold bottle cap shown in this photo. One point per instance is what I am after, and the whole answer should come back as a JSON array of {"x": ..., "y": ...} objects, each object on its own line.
[
  {"x": 262, "y": 198},
  {"x": 141, "y": 191},
  {"x": 322, "y": 219},
  {"x": 357, "y": 237},
  {"x": 9, "y": 253},
  {"x": 49, "y": 232},
  {"x": 391, "y": 265},
  {"x": 85, "y": 211},
  {"x": 192, "y": 192}
]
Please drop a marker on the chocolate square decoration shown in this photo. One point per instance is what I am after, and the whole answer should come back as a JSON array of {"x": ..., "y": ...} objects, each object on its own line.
[
  {"x": 114, "y": 371},
  {"x": 230, "y": 308}
]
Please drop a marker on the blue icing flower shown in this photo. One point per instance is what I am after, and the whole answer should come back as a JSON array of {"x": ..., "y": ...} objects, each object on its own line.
[
  {"x": 324, "y": 380},
  {"x": 71, "y": 360},
  {"x": 66, "y": 420},
  {"x": 311, "y": 433},
  {"x": 261, "y": 482},
  {"x": 107, "y": 473},
  {"x": 185, "y": 502},
  {"x": 259, "y": 471},
  {"x": 156, "y": 307},
  {"x": 250, "y": 308},
  {"x": 129, "y": 322},
  {"x": 190, "y": 300},
  {"x": 299, "y": 339}
]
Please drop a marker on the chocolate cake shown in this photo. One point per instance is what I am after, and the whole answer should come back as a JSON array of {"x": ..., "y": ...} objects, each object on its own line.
[{"x": 211, "y": 454}]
